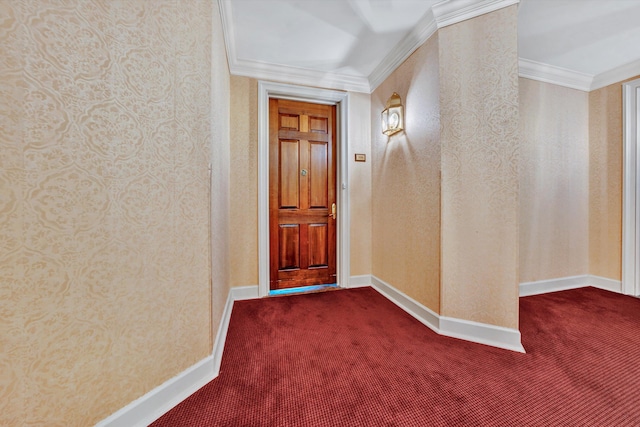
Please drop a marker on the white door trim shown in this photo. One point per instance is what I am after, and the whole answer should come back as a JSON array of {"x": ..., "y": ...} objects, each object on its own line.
[
  {"x": 630, "y": 188},
  {"x": 268, "y": 90}
]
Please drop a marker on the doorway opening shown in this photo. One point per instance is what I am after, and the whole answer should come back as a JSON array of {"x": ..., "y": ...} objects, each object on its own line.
[{"x": 339, "y": 99}]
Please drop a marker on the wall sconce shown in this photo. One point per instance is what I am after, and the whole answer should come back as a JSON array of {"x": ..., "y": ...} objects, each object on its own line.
[{"x": 393, "y": 116}]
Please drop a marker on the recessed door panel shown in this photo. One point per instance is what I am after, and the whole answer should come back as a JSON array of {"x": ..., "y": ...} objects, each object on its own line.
[
  {"x": 318, "y": 176},
  {"x": 318, "y": 124},
  {"x": 289, "y": 241},
  {"x": 318, "y": 241},
  {"x": 289, "y": 182},
  {"x": 289, "y": 122}
]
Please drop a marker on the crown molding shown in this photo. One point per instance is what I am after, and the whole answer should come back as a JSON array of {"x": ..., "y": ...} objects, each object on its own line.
[
  {"x": 442, "y": 14},
  {"x": 574, "y": 79},
  {"x": 425, "y": 28},
  {"x": 447, "y": 12},
  {"x": 298, "y": 76},
  {"x": 226, "y": 17},
  {"x": 618, "y": 74},
  {"x": 555, "y": 75},
  {"x": 451, "y": 12},
  {"x": 282, "y": 73}
]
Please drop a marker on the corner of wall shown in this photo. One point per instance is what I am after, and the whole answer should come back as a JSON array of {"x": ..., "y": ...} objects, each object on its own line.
[{"x": 481, "y": 333}]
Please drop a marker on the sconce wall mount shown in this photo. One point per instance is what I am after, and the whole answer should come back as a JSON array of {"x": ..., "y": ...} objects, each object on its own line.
[{"x": 393, "y": 116}]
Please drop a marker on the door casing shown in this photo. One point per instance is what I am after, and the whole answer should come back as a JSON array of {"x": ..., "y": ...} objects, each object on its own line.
[
  {"x": 340, "y": 99},
  {"x": 630, "y": 189}
]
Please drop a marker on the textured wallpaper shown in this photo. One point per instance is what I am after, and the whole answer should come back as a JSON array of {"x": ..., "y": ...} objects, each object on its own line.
[
  {"x": 104, "y": 251},
  {"x": 360, "y": 183},
  {"x": 220, "y": 165},
  {"x": 480, "y": 168},
  {"x": 554, "y": 185},
  {"x": 406, "y": 181},
  {"x": 243, "y": 251},
  {"x": 605, "y": 181}
]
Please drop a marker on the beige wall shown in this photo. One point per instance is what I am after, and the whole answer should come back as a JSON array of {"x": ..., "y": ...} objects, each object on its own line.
[
  {"x": 571, "y": 181},
  {"x": 220, "y": 173},
  {"x": 359, "y": 134},
  {"x": 243, "y": 231},
  {"x": 406, "y": 181},
  {"x": 480, "y": 162},
  {"x": 104, "y": 252},
  {"x": 445, "y": 192},
  {"x": 605, "y": 181},
  {"x": 554, "y": 184}
]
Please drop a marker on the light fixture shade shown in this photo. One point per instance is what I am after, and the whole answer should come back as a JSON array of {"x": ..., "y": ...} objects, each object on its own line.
[{"x": 393, "y": 116}]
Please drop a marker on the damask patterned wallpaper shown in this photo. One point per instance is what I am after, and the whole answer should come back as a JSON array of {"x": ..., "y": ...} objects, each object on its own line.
[
  {"x": 445, "y": 192},
  {"x": 406, "y": 180},
  {"x": 605, "y": 181},
  {"x": 359, "y": 134},
  {"x": 480, "y": 168},
  {"x": 220, "y": 165},
  {"x": 554, "y": 185},
  {"x": 105, "y": 126},
  {"x": 572, "y": 181},
  {"x": 243, "y": 244}
]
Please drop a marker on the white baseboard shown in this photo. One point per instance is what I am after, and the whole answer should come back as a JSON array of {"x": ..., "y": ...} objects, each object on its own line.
[
  {"x": 605, "y": 283},
  {"x": 244, "y": 292},
  {"x": 553, "y": 285},
  {"x": 235, "y": 294},
  {"x": 359, "y": 281},
  {"x": 221, "y": 337},
  {"x": 161, "y": 399},
  {"x": 148, "y": 408},
  {"x": 414, "y": 308},
  {"x": 482, "y": 333},
  {"x": 571, "y": 282}
]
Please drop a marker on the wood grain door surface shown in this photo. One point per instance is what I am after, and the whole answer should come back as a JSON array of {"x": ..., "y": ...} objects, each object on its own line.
[{"x": 302, "y": 190}]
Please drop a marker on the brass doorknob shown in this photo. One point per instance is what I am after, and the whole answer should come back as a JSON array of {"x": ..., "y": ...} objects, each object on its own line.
[{"x": 333, "y": 211}]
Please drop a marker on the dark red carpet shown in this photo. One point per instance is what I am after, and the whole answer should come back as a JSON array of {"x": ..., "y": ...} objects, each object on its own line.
[{"x": 352, "y": 358}]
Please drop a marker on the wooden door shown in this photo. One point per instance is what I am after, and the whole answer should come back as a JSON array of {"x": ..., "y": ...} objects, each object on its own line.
[{"x": 302, "y": 191}]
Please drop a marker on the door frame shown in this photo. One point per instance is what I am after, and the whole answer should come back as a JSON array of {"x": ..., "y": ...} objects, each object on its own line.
[
  {"x": 340, "y": 99},
  {"x": 630, "y": 188}
]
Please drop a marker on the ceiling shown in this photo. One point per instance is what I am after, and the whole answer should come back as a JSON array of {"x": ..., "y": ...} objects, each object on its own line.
[{"x": 355, "y": 44}]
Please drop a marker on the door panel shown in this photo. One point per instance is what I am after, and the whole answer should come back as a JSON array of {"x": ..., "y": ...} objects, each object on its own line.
[
  {"x": 318, "y": 169},
  {"x": 289, "y": 247},
  {"x": 289, "y": 121},
  {"x": 318, "y": 124},
  {"x": 289, "y": 160},
  {"x": 318, "y": 254},
  {"x": 302, "y": 180}
]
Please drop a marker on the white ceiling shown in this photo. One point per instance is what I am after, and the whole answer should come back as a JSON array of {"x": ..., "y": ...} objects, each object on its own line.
[
  {"x": 355, "y": 44},
  {"x": 339, "y": 36},
  {"x": 596, "y": 41}
]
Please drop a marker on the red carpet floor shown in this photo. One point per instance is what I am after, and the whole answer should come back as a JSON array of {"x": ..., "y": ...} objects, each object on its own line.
[{"x": 352, "y": 358}]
